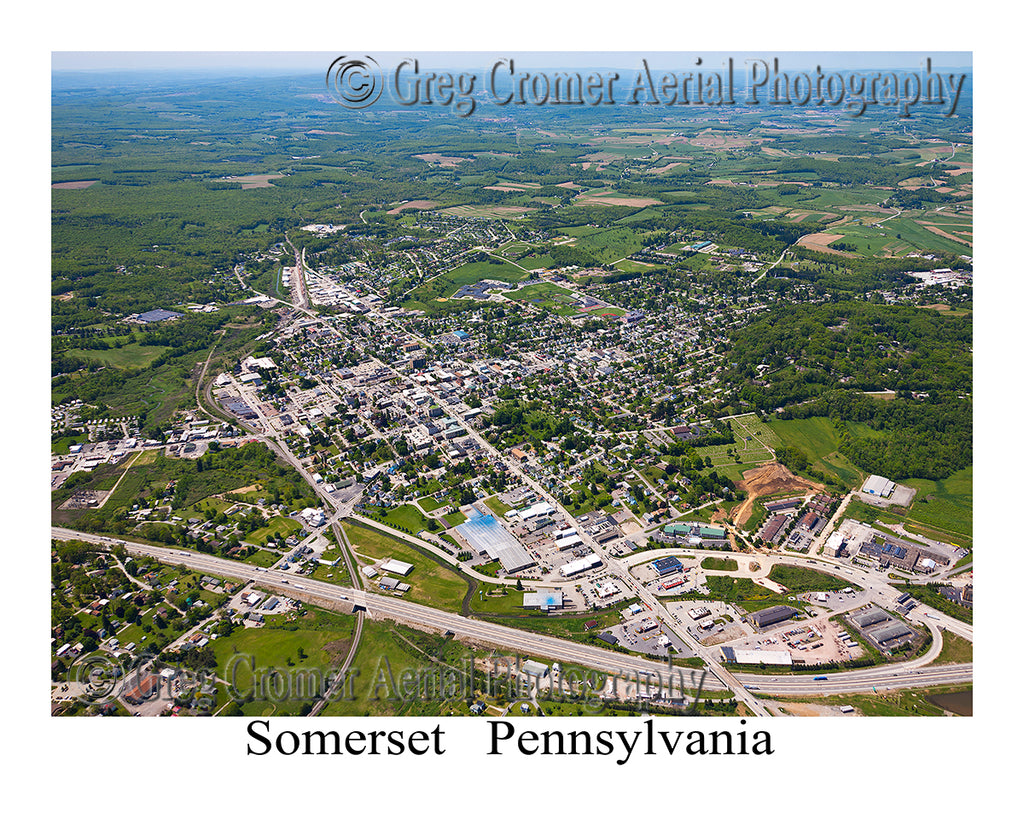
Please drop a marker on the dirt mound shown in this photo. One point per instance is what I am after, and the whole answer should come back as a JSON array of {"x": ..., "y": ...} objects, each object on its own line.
[{"x": 770, "y": 479}]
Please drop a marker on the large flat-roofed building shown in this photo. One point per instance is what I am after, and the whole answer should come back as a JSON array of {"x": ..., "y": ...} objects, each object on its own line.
[
  {"x": 877, "y": 485},
  {"x": 152, "y": 316},
  {"x": 869, "y": 617},
  {"x": 891, "y": 635},
  {"x": 485, "y": 534},
  {"x": 581, "y": 565},
  {"x": 756, "y": 656},
  {"x": 543, "y": 600},
  {"x": 771, "y": 616},
  {"x": 393, "y": 566}
]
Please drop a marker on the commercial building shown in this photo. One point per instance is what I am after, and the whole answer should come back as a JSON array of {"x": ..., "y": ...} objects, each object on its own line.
[
  {"x": 543, "y": 600},
  {"x": 576, "y": 566},
  {"x": 667, "y": 565},
  {"x": 487, "y": 536},
  {"x": 756, "y": 656}
]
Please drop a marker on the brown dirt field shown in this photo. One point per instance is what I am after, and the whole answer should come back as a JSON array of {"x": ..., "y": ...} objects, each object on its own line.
[
  {"x": 820, "y": 243},
  {"x": 74, "y": 186},
  {"x": 256, "y": 180},
  {"x": 942, "y": 233},
  {"x": 766, "y": 183},
  {"x": 770, "y": 479},
  {"x": 665, "y": 168},
  {"x": 440, "y": 160},
  {"x": 416, "y": 204},
  {"x": 569, "y": 185},
  {"x": 942, "y": 308},
  {"x": 805, "y": 709},
  {"x": 251, "y": 488},
  {"x": 727, "y": 182},
  {"x": 636, "y": 201},
  {"x": 960, "y": 171}
]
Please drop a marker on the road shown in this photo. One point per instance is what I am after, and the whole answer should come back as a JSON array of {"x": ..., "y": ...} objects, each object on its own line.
[{"x": 899, "y": 675}]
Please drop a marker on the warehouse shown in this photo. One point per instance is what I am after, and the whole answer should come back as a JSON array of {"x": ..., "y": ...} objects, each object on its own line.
[
  {"x": 396, "y": 567},
  {"x": 771, "y": 616},
  {"x": 891, "y": 635},
  {"x": 536, "y": 510},
  {"x": 869, "y": 617},
  {"x": 877, "y": 485}
]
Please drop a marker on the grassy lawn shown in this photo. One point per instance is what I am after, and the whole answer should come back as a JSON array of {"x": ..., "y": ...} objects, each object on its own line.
[
  {"x": 454, "y": 519},
  {"x": 817, "y": 438},
  {"x": 432, "y": 584},
  {"x": 907, "y": 703},
  {"x": 406, "y": 517},
  {"x": 567, "y": 626},
  {"x": 720, "y": 564},
  {"x": 386, "y": 652},
  {"x": 798, "y": 579},
  {"x": 262, "y": 557},
  {"x": 322, "y": 636},
  {"x": 945, "y": 505},
  {"x": 490, "y": 599},
  {"x": 131, "y": 355},
  {"x": 430, "y": 504},
  {"x": 276, "y": 527},
  {"x": 955, "y": 649}
]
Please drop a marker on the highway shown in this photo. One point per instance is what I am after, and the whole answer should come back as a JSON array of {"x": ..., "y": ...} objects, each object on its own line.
[{"x": 899, "y": 675}]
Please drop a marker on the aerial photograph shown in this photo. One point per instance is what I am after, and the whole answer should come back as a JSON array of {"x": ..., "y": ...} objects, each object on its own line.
[{"x": 512, "y": 384}]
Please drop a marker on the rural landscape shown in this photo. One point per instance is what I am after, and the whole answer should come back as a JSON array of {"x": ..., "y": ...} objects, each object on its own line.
[{"x": 565, "y": 411}]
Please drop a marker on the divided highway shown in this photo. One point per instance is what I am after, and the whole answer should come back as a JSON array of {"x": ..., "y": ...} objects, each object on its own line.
[{"x": 899, "y": 675}]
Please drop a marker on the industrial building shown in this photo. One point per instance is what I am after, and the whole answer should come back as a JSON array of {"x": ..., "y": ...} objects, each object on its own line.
[
  {"x": 771, "y": 616},
  {"x": 869, "y": 617},
  {"x": 393, "y": 566},
  {"x": 879, "y": 486}
]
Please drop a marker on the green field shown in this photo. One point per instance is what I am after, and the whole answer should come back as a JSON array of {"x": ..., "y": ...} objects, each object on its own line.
[
  {"x": 323, "y": 637},
  {"x": 907, "y": 703},
  {"x": 605, "y": 244},
  {"x": 432, "y": 584},
  {"x": 719, "y": 564},
  {"x": 276, "y": 527},
  {"x": 798, "y": 579},
  {"x": 817, "y": 438},
  {"x": 945, "y": 505},
  {"x": 955, "y": 649},
  {"x": 131, "y": 355}
]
